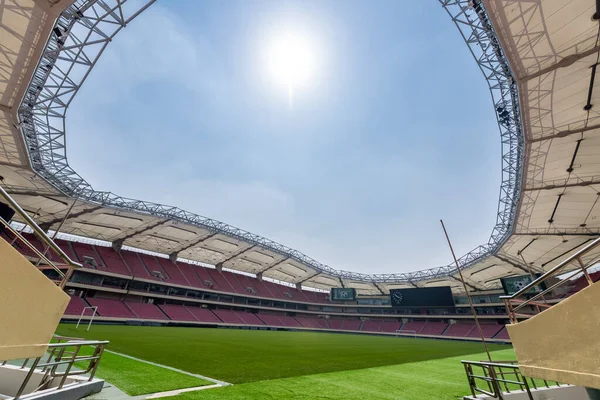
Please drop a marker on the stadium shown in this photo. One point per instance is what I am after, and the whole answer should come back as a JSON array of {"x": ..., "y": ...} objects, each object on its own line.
[{"x": 108, "y": 297}]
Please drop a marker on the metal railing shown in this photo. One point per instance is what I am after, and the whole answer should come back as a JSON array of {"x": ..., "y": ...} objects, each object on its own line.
[
  {"x": 514, "y": 303},
  {"x": 59, "y": 363},
  {"x": 46, "y": 240},
  {"x": 500, "y": 378}
]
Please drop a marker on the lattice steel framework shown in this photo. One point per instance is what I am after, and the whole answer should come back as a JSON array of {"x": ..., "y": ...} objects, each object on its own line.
[{"x": 85, "y": 28}]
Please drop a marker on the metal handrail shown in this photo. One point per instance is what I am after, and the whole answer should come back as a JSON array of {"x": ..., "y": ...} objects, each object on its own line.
[
  {"x": 498, "y": 377},
  {"x": 509, "y": 300},
  {"x": 57, "y": 356},
  {"x": 31, "y": 247},
  {"x": 37, "y": 230}
]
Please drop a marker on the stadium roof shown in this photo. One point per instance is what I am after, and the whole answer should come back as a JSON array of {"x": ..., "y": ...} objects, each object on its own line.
[{"x": 539, "y": 59}]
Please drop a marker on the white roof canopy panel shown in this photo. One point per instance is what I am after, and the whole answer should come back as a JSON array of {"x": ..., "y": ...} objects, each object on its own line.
[{"x": 551, "y": 46}]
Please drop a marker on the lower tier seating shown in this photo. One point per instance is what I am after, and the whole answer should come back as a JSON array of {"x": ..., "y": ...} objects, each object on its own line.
[
  {"x": 189, "y": 313},
  {"x": 75, "y": 306},
  {"x": 146, "y": 310},
  {"x": 111, "y": 308}
]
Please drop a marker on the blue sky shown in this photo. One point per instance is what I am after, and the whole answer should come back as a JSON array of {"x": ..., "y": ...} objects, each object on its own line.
[{"x": 395, "y": 131}]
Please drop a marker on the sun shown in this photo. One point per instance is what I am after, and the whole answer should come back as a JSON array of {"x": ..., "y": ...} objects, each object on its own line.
[{"x": 291, "y": 60}]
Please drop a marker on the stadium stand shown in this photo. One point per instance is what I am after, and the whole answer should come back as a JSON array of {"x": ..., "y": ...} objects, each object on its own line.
[
  {"x": 459, "y": 329},
  {"x": 75, "y": 306},
  {"x": 288, "y": 321},
  {"x": 372, "y": 325},
  {"x": 203, "y": 314},
  {"x": 135, "y": 265},
  {"x": 228, "y": 316},
  {"x": 415, "y": 326},
  {"x": 433, "y": 328},
  {"x": 145, "y": 310},
  {"x": 270, "y": 319},
  {"x": 351, "y": 325},
  {"x": 390, "y": 326},
  {"x": 113, "y": 261},
  {"x": 503, "y": 334},
  {"x": 87, "y": 255},
  {"x": 335, "y": 323},
  {"x": 248, "y": 318},
  {"x": 111, "y": 308},
  {"x": 489, "y": 330},
  {"x": 177, "y": 313}
]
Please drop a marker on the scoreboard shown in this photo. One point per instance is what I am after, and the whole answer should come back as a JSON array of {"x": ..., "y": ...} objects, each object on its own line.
[
  {"x": 343, "y": 294},
  {"x": 440, "y": 296},
  {"x": 515, "y": 283}
]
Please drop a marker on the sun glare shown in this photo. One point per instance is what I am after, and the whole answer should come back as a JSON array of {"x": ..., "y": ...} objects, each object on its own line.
[{"x": 291, "y": 60}]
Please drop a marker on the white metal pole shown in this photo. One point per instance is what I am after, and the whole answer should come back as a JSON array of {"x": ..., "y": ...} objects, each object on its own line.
[{"x": 92, "y": 318}]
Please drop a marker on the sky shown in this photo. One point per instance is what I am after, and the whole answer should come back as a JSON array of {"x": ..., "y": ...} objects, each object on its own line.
[{"x": 394, "y": 129}]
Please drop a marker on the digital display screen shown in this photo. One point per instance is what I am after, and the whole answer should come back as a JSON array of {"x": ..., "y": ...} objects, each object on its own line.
[
  {"x": 343, "y": 294},
  {"x": 440, "y": 296},
  {"x": 513, "y": 284}
]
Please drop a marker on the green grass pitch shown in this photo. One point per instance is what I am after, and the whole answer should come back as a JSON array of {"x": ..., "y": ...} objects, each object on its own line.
[{"x": 270, "y": 364}]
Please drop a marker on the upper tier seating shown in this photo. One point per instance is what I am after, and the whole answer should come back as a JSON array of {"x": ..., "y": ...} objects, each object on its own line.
[
  {"x": 111, "y": 308},
  {"x": 459, "y": 329},
  {"x": 135, "y": 265},
  {"x": 142, "y": 265},
  {"x": 154, "y": 268},
  {"x": 86, "y": 251},
  {"x": 173, "y": 272},
  {"x": 112, "y": 261},
  {"x": 189, "y": 272},
  {"x": 434, "y": 328},
  {"x": 146, "y": 310},
  {"x": 76, "y": 306},
  {"x": 177, "y": 313}
]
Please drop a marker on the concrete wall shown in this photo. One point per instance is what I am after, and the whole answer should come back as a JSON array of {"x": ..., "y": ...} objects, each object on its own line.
[
  {"x": 562, "y": 343},
  {"x": 553, "y": 393},
  {"x": 30, "y": 306}
]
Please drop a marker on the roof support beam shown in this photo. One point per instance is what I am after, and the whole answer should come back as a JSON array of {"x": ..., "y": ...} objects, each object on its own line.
[
  {"x": 220, "y": 264},
  {"x": 117, "y": 243},
  {"x": 191, "y": 243},
  {"x": 552, "y": 233},
  {"x": 563, "y": 134},
  {"x": 379, "y": 287},
  {"x": 562, "y": 186},
  {"x": 275, "y": 264},
  {"x": 475, "y": 288},
  {"x": 48, "y": 224},
  {"x": 528, "y": 269},
  {"x": 309, "y": 277},
  {"x": 565, "y": 62}
]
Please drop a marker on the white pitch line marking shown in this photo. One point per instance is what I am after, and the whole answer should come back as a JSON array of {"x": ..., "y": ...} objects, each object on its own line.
[
  {"x": 179, "y": 391},
  {"x": 213, "y": 380}
]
